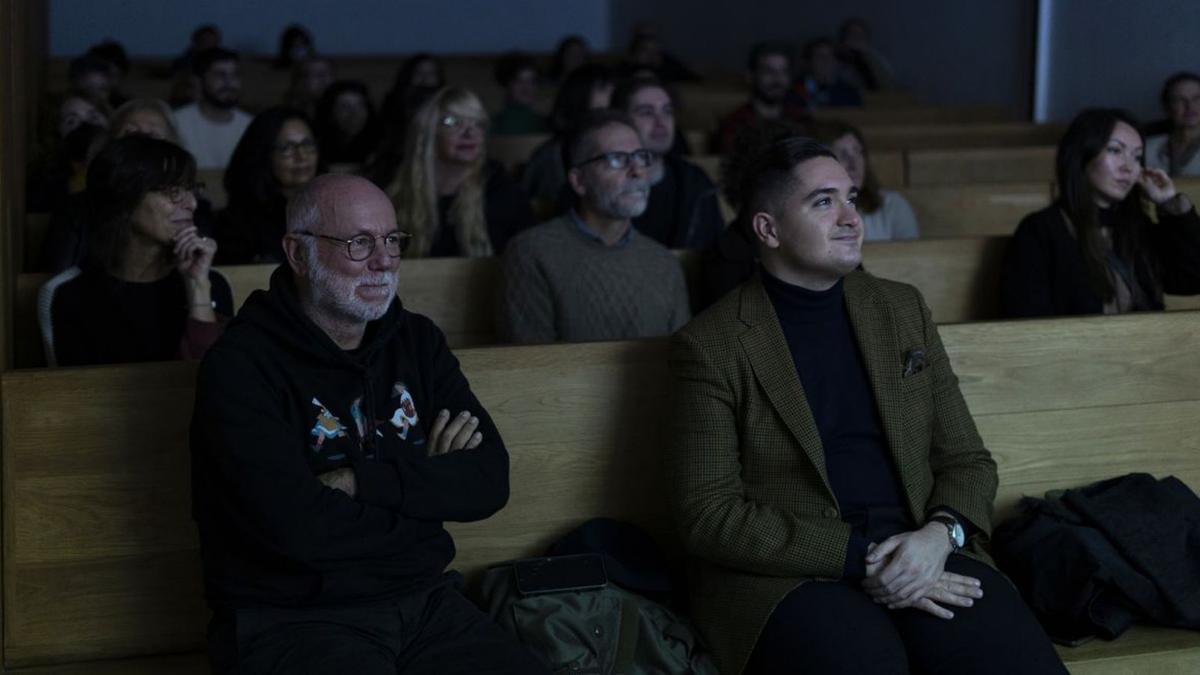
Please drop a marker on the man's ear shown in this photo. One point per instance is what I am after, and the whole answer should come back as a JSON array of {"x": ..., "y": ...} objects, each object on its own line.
[
  {"x": 575, "y": 180},
  {"x": 295, "y": 251},
  {"x": 765, "y": 229}
]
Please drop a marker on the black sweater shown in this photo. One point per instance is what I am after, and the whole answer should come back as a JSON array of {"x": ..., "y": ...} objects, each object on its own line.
[
  {"x": 277, "y": 403},
  {"x": 1044, "y": 273},
  {"x": 683, "y": 210}
]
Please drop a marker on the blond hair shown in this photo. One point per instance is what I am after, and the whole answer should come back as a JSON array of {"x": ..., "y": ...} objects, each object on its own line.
[{"x": 414, "y": 192}]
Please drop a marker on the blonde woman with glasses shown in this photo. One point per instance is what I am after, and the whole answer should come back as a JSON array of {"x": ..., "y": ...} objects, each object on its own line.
[{"x": 453, "y": 200}]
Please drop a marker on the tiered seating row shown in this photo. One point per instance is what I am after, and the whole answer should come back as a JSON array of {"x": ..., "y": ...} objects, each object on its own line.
[{"x": 100, "y": 555}]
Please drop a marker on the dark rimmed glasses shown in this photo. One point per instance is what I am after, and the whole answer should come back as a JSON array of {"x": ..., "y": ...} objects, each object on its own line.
[
  {"x": 360, "y": 247},
  {"x": 621, "y": 160},
  {"x": 177, "y": 193}
]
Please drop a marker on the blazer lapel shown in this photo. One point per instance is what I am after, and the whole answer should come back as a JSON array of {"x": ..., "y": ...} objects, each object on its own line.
[
  {"x": 874, "y": 328},
  {"x": 773, "y": 367}
]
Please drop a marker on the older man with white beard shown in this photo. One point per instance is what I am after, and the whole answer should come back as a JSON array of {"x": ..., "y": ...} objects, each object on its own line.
[
  {"x": 333, "y": 434},
  {"x": 589, "y": 275}
]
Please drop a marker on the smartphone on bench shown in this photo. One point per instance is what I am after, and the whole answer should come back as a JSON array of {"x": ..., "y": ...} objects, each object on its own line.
[{"x": 579, "y": 572}]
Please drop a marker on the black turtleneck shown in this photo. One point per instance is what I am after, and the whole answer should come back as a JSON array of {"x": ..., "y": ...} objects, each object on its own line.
[{"x": 831, "y": 370}]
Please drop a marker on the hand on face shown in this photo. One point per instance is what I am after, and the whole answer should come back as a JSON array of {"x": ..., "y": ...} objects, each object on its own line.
[
  {"x": 1158, "y": 185},
  {"x": 193, "y": 253}
]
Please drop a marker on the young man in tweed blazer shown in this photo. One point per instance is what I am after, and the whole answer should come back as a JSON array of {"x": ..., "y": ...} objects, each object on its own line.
[{"x": 827, "y": 478}]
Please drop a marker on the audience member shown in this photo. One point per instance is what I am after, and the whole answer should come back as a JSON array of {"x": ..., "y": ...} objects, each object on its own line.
[
  {"x": 868, "y": 67},
  {"x": 1094, "y": 250},
  {"x": 588, "y": 87},
  {"x": 824, "y": 86},
  {"x": 275, "y": 159},
  {"x": 185, "y": 87},
  {"x": 571, "y": 53},
  {"x": 295, "y": 45},
  {"x": 835, "y": 518},
  {"x": 589, "y": 275},
  {"x": 65, "y": 245},
  {"x": 323, "y": 542},
  {"x": 147, "y": 291},
  {"x": 647, "y": 58},
  {"x": 59, "y": 162},
  {"x": 89, "y": 76},
  {"x": 769, "y": 74},
  {"x": 310, "y": 78},
  {"x": 112, "y": 53},
  {"x": 418, "y": 75},
  {"x": 211, "y": 127},
  {"x": 517, "y": 74},
  {"x": 1178, "y": 151},
  {"x": 446, "y": 193},
  {"x": 346, "y": 124},
  {"x": 684, "y": 211},
  {"x": 885, "y": 213}
]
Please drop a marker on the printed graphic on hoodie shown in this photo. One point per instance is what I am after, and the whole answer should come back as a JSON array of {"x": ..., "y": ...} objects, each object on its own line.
[
  {"x": 403, "y": 420},
  {"x": 327, "y": 426}
]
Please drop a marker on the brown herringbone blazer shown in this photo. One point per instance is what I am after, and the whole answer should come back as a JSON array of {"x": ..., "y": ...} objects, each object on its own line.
[{"x": 750, "y": 494}]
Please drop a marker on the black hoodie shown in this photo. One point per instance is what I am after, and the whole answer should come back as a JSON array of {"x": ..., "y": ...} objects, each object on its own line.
[{"x": 277, "y": 403}]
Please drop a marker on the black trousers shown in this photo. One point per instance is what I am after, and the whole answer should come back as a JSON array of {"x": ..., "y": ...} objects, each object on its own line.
[
  {"x": 434, "y": 631},
  {"x": 834, "y": 627}
]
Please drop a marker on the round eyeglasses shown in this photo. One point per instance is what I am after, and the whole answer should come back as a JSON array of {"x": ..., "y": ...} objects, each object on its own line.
[{"x": 360, "y": 247}]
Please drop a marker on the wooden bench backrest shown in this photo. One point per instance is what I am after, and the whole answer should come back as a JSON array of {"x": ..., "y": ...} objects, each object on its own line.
[
  {"x": 942, "y": 136},
  {"x": 100, "y": 554},
  {"x": 975, "y": 210},
  {"x": 888, "y": 166},
  {"x": 969, "y": 166}
]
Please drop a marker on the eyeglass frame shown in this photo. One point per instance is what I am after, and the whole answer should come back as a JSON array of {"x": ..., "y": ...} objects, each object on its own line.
[
  {"x": 175, "y": 193},
  {"x": 402, "y": 239},
  {"x": 293, "y": 149},
  {"x": 627, "y": 158},
  {"x": 459, "y": 122}
]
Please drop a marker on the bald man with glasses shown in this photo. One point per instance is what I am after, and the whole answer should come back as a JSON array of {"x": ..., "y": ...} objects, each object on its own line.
[
  {"x": 333, "y": 433},
  {"x": 588, "y": 274}
]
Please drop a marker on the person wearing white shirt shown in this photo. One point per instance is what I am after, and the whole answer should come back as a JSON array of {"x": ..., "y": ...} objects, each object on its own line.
[{"x": 211, "y": 127}]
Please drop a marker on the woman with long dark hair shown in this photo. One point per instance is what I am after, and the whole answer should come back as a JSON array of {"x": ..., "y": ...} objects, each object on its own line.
[
  {"x": 1095, "y": 250},
  {"x": 147, "y": 291},
  {"x": 347, "y": 125},
  {"x": 275, "y": 159}
]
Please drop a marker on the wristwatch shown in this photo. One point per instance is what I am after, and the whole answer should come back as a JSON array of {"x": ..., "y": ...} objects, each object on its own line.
[{"x": 958, "y": 536}]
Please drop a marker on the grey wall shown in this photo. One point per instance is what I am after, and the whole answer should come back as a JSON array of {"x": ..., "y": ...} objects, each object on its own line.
[
  {"x": 162, "y": 27},
  {"x": 1117, "y": 53},
  {"x": 946, "y": 51}
]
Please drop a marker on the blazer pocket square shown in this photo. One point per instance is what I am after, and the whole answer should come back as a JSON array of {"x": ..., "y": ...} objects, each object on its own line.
[{"x": 914, "y": 362}]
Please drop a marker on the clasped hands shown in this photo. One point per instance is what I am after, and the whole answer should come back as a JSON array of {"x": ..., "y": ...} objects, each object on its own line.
[
  {"x": 447, "y": 435},
  {"x": 908, "y": 570}
]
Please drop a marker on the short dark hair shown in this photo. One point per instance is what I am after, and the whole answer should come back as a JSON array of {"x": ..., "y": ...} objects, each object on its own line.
[
  {"x": 812, "y": 45},
  {"x": 762, "y": 50},
  {"x": 629, "y": 88},
  {"x": 207, "y": 57},
  {"x": 1182, "y": 76},
  {"x": 767, "y": 177},
  {"x": 578, "y": 140},
  {"x": 112, "y": 52},
  {"x": 118, "y": 178},
  {"x": 205, "y": 29},
  {"x": 87, "y": 64},
  {"x": 575, "y": 94},
  {"x": 511, "y": 65}
]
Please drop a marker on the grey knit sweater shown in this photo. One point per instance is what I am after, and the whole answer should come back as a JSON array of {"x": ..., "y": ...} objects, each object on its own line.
[{"x": 560, "y": 285}]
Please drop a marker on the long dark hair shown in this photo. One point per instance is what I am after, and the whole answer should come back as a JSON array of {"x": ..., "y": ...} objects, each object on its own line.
[
  {"x": 869, "y": 199},
  {"x": 118, "y": 178},
  {"x": 335, "y": 145},
  {"x": 250, "y": 180},
  {"x": 1083, "y": 141}
]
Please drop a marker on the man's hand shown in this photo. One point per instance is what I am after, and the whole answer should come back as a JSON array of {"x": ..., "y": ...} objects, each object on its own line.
[
  {"x": 952, "y": 589},
  {"x": 340, "y": 479},
  {"x": 453, "y": 434},
  {"x": 903, "y": 568}
]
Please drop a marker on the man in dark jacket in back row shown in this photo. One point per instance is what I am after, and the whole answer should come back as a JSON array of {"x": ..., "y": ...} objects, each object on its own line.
[{"x": 333, "y": 433}]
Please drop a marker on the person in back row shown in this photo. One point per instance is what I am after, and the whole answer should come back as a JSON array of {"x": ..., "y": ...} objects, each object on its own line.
[
  {"x": 589, "y": 274},
  {"x": 684, "y": 211},
  {"x": 1178, "y": 151},
  {"x": 886, "y": 214},
  {"x": 447, "y": 194},
  {"x": 769, "y": 74},
  {"x": 1094, "y": 250},
  {"x": 211, "y": 127},
  {"x": 517, "y": 74},
  {"x": 332, "y": 436},
  {"x": 825, "y": 474},
  {"x": 147, "y": 290}
]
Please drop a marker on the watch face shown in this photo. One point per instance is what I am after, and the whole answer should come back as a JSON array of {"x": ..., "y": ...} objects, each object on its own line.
[{"x": 960, "y": 537}]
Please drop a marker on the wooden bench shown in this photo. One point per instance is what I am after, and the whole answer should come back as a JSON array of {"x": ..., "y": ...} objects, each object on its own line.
[
  {"x": 888, "y": 166},
  {"x": 975, "y": 210},
  {"x": 100, "y": 555},
  {"x": 971, "y": 166},
  {"x": 942, "y": 136}
]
